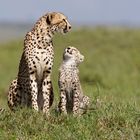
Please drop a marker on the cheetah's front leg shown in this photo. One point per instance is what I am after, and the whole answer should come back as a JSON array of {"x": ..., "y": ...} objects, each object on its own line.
[
  {"x": 34, "y": 91},
  {"x": 46, "y": 90}
]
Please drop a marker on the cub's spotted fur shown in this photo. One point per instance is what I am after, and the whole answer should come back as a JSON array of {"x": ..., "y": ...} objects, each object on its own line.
[{"x": 71, "y": 94}]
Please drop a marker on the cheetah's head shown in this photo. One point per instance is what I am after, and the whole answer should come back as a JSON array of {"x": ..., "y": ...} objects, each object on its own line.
[
  {"x": 58, "y": 22},
  {"x": 71, "y": 54}
]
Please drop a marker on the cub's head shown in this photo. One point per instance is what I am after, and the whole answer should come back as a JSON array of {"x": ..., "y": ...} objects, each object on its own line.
[
  {"x": 58, "y": 22},
  {"x": 72, "y": 55}
]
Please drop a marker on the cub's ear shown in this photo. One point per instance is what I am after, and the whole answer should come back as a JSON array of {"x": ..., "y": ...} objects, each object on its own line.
[{"x": 49, "y": 19}]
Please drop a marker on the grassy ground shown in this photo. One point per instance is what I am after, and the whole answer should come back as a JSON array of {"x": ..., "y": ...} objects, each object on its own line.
[{"x": 110, "y": 75}]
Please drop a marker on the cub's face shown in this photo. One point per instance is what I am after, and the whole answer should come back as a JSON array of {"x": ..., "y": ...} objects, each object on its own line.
[
  {"x": 72, "y": 54},
  {"x": 58, "y": 22}
]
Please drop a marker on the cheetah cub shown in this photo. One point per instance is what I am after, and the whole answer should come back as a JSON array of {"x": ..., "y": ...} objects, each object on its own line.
[{"x": 71, "y": 94}]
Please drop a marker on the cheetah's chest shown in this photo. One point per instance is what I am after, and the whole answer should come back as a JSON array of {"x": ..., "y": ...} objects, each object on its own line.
[{"x": 43, "y": 61}]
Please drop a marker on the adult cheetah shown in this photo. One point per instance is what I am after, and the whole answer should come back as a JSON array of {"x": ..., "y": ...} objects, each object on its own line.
[
  {"x": 72, "y": 98},
  {"x": 33, "y": 86}
]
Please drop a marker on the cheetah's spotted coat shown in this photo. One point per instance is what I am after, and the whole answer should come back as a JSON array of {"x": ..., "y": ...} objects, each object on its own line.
[{"x": 33, "y": 86}]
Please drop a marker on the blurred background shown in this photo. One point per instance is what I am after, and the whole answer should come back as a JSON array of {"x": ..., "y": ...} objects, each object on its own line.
[
  {"x": 107, "y": 32},
  {"x": 16, "y": 17}
]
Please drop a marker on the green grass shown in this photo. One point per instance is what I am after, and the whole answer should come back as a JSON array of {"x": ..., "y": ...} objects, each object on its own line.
[{"x": 110, "y": 76}]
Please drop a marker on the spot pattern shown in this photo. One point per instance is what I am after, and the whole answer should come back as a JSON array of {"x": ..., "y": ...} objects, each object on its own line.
[
  {"x": 72, "y": 98},
  {"x": 33, "y": 86}
]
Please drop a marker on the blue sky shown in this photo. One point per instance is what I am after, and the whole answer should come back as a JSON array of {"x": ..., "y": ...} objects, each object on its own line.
[{"x": 78, "y": 11}]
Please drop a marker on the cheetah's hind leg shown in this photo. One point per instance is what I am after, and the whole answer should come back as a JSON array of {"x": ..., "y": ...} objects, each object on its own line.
[{"x": 13, "y": 98}]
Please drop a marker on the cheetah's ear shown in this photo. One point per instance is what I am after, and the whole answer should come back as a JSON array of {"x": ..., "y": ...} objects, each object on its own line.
[{"x": 49, "y": 19}]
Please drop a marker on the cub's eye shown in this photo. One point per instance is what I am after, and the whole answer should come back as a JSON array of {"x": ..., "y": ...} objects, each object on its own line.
[{"x": 69, "y": 51}]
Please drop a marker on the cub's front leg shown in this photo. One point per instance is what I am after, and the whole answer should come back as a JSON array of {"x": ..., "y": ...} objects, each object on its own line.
[
  {"x": 76, "y": 102},
  {"x": 63, "y": 99}
]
